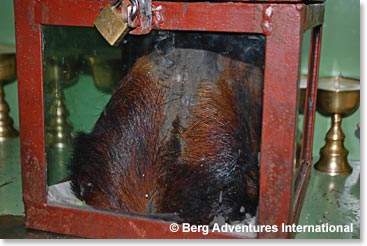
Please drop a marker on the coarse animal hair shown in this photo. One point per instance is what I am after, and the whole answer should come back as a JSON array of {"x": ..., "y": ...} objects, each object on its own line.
[{"x": 138, "y": 159}]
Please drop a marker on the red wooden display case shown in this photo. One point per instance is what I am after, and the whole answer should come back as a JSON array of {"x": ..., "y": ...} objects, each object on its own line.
[{"x": 283, "y": 22}]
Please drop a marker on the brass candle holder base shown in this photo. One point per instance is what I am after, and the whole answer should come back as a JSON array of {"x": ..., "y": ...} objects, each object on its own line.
[
  {"x": 338, "y": 97},
  {"x": 7, "y": 74},
  {"x": 58, "y": 128},
  {"x": 7, "y": 129},
  {"x": 333, "y": 156}
]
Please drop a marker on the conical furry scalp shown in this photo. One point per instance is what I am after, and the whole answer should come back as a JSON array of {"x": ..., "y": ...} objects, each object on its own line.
[{"x": 176, "y": 144}]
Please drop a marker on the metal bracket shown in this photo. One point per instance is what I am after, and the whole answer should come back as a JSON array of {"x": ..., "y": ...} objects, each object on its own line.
[{"x": 144, "y": 18}]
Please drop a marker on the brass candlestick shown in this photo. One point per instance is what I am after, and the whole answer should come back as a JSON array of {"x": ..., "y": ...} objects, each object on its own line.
[
  {"x": 338, "y": 97},
  {"x": 7, "y": 74},
  {"x": 60, "y": 72}
]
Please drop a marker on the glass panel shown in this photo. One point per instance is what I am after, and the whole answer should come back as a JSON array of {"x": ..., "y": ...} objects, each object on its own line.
[
  {"x": 74, "y": 92},
  {"x": 299, "y": 166},
  {"x": 302, "y": 93},
  {"x": 179, "y": 138}
]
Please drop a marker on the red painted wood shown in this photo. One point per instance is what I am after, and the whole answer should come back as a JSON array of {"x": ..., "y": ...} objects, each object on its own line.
[
  {"x": 92, "y": 224},
  {"x": 30, "y": 89},
  {"x": 216, "y": 17},
  {"x": 283, "y": 24},
  {"x": 282, "y": 65},
  {"x": 166, "y": 15},
  {"x": 68, "y": 12},
  {"x": 200, "y": 16}
]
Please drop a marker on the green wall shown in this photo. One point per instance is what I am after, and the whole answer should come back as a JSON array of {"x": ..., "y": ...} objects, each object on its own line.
[
  {"x": 340, "y": 54},
  {"x": 7, "y": 30},
  {"x": 7, "y": 36}
]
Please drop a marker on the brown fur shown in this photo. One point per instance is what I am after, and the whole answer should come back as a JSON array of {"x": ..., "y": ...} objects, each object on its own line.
[{"x": 139, "y": 159}]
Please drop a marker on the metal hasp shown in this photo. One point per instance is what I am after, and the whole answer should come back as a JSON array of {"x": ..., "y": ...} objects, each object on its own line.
[{"x": 283, "y": 22}]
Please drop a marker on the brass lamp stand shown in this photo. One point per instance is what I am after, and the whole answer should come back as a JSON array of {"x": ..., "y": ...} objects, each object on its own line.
[
  {"x": 338, "y": 97},
  {"x": 60, "y": 72},
  {"x": 7, "y": 74}
]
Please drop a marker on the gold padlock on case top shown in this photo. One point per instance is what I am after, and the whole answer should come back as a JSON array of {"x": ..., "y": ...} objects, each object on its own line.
[{"x": 112, "y": 25}]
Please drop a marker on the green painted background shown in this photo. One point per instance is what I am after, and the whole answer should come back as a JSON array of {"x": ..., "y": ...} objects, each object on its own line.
[
  {"x": 7, "y": 36},
  {"x": 340, "y": 54}
]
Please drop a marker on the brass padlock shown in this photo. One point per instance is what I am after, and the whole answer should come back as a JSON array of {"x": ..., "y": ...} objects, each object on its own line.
[{"x": 112, "y": 25}]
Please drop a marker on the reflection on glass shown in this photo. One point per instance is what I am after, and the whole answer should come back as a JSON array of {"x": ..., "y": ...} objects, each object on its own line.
[
  {"x": 69, "y": 91},
  {"x": 106, "y": 70},
  {"x": 59, "y": 72},
  {"x": 301, "y": 106}
]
